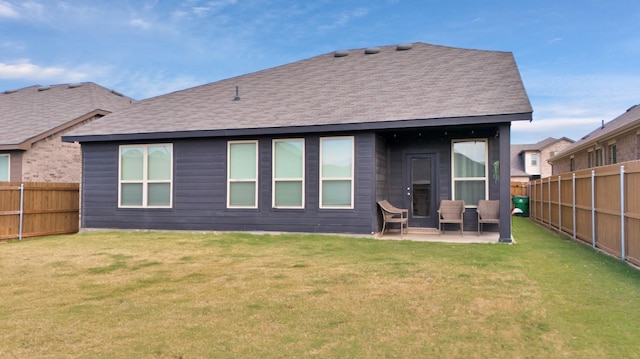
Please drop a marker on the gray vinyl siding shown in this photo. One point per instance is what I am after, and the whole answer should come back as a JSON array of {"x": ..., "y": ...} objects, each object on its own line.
[{"x": 199, "y": 191}]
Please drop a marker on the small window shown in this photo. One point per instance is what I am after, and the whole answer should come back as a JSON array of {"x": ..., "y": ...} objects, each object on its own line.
[
  {"x": 4, "y": 168},
  {"x": 572, "y": 164},
  {"x": 146, "y": 173},
  {"x": 591, "y": 159},
  {"x": 599, "y": 157},
  {"x": 534, "y": 159},
  {"x": 612, "y": 155},
  {"x": 470, "y": 171},
  {"x": 242, "y": 174},
  {"x": 336, "y": 172},
  {"x": 288, "y": 173}
]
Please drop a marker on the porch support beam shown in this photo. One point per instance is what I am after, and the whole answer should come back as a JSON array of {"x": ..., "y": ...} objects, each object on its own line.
[{"x": 505, "y": 182}]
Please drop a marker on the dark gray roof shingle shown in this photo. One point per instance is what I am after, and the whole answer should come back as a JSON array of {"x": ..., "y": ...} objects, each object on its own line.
[
  {"x": 424, "y": 82},
  {"x": 32, "y": 111}
]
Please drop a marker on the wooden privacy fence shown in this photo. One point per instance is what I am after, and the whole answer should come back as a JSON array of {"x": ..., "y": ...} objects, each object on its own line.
[
  {"x": 38, "y": 209},
  {"x": 519, "y": 189},
  {"x": 598, "y": 206}
]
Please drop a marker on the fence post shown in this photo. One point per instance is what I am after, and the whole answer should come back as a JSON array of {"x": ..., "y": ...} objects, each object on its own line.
[
  {"x": 622, "y": 249},
  {"x": 549, "y": 203},
  {"x": 21, "y": 211},
  {"x": 560, "y": 203},
  {"x": 573, "y": 204},
  {"x": 593, "y": 208}
]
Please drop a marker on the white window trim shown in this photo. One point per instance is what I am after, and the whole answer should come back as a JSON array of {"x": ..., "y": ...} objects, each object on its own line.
[
  {"x": 486, "y": 169},
  {"x": 145, "y": 181},
  {"x": 273, "y": 173},
  {"x": 352, "y": 178},
  {"x": 229, "y": 180},
  {"x": 8, "y": 156}
]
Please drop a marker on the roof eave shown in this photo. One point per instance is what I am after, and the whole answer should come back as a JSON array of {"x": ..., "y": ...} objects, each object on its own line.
[{"x": 365, "y": 126}]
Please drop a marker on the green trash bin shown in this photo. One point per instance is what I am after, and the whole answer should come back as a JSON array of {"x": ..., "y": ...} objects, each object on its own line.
[{"x": 522, "y": 203}]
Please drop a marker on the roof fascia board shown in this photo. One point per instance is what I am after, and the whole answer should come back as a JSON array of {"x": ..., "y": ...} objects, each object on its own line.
[
  {"x": 367, "y": 126},
  {"x": 26, "y": 145}
]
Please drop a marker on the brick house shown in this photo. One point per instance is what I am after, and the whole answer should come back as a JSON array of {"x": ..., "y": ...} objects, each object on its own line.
[
  {"x": 33, "y": 120},
  {"x": 613, "y": 142},
  {"x": 530, "y": 161}
]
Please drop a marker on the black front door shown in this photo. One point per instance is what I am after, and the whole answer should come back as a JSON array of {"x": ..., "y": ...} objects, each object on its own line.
[{"x": 420, "y": 188}]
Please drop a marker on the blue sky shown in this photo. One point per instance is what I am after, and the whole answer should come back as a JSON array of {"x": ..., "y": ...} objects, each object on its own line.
[{"x": 579, "y": 60}]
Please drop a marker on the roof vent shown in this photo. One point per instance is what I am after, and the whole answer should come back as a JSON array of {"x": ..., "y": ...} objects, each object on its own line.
[
  {"x": 237, "y": 98},
  {"x": 74, "y": 85},
  {"x": 404, "y": 47},
  {"x": 632, "y": 107},
  {"x": 10, "y": 91},
  {"x": 371, "y": 50},
  {"x": 117, "y": 93},
  {"x": 341, "y": 53},
  {"x": 44, "y": 88}
]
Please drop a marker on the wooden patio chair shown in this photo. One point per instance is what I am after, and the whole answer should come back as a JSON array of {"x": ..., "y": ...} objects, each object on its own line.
[
  {"x": 488, "y": 212},
  {"x": 451, "y": 212},
  {"x": 391, "y": 214}
]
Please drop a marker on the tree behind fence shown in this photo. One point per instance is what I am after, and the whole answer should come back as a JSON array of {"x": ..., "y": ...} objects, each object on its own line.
[
  {"x": 599, "y": 206},
  {"x": 47, "y": 208}
]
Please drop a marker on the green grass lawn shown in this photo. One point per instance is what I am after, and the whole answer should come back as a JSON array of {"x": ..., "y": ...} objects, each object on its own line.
[{"x": 188, "y": 295}]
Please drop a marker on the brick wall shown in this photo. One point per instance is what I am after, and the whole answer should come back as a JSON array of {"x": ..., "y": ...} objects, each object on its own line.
[
  {"x": 51, "y": 160},
  {"x": 545, "y": 168}
]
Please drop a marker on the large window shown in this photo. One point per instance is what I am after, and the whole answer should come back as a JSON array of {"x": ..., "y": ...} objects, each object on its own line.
[
  {"x": 470, "y": 171},
  {"x": 4, "y": 168},
  {"x": 288, "y": 173},
  {"x": 242, "y": 174},
  {"x": 146, "y": 173},
  {"x": 336, "y": 172}
]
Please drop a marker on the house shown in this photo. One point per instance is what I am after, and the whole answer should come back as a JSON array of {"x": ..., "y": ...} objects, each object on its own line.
[
  {"x": 34, "y": 118},
  {"x": 613, "y": 142},
  {"x": 311, "y": 146},
  {"x": 530, "y": 161}
]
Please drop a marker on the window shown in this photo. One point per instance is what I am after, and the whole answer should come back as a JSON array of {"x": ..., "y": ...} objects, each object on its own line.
[
  {"x": 591, "y": 159},
  {"x": 534, "y": 159},
  {"x": 470, "y": 171},
  {"x": 288, "y": 173},
  {"x": 572, "y": 164},
  {"x": 4, "y": 168},
  {"x": 336, "y": 172},
  {"x": 612, "y": 154},
  {"x": 242, "y": 174},
  {"x": 146, "y": 173},
  {"x": 599, "y": 157}
]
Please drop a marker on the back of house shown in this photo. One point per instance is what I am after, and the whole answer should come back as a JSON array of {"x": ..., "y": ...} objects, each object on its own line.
[{"x": 311, "y": 146}]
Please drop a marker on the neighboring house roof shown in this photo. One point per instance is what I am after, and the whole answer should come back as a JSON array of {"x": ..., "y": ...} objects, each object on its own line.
[
  {"x": 32, "y": 113},
  {"x": 629, "y": 119},
  {"x": 517, "y": 164},
  {"x": 364, "y": 88}
]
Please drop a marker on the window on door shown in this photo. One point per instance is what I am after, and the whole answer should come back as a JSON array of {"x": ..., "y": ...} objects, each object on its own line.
[{"x": 470, "y": 171}]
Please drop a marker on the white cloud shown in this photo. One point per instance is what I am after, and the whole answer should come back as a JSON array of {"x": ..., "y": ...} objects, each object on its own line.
[
  {"x": 25, "y": 70},
  {"x": 7, "y": 10},
  {"x": 140, "y": 23},
  {"x": 344, "y": 18}
]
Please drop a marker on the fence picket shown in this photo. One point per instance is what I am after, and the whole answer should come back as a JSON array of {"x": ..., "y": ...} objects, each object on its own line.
[
  {"x": 38, "y": 209},
  {"x": 613, "y": 220}
]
